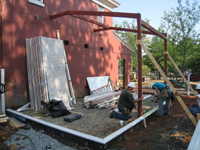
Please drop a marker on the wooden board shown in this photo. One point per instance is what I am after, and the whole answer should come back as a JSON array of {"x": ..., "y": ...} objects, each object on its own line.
[
  {"x": 140, "y": 42},
  {"x": 198, "y": 116}
]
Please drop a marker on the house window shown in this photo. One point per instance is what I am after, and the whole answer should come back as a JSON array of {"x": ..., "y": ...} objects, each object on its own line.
[
  {"x": 37, "y": 2},
  {"x": 100, "y": 18}
]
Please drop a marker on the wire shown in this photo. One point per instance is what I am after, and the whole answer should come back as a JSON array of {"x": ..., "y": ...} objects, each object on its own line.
[
  {"x": 168, "y": 134},
  {"x": 20, "y": 135}
]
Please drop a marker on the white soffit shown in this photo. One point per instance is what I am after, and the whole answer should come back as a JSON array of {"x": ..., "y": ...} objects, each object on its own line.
[{"x": 108, "y": 4}]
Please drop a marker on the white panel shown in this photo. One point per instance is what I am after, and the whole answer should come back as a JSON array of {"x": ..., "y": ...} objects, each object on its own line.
[
  {"x": 54, "y": 63},
  {"x": 97, "y": 82}
]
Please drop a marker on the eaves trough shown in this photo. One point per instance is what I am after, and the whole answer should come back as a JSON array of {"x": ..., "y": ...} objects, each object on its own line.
[{"x": 92, "y": 141}]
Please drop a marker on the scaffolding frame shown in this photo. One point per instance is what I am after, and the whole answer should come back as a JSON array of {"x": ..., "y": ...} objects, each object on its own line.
[{"x": 139, "y": 31}]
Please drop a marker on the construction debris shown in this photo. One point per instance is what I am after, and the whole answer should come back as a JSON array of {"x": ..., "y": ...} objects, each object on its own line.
[
  {"x": 3, "y": 118},
  {"x": 92, "y": 100},
  {"x": 100, "y": 85}
]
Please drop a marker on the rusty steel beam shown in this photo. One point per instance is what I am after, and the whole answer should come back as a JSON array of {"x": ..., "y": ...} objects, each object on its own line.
[
  {"x": 139, "y": 37},
  {"x": 123, "y": 29},
  {"x": 147, "y": 26},
  {"x": 89, "y": 20},
  {"x": 95, "y": 13}
]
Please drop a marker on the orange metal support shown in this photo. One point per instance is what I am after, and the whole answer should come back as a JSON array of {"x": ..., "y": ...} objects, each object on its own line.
[
  {"x": 147, "y": 26},
  {"x": 140, "y": 23},
  {"x": 95, "y": 13},
  {"x": 139, "y": 66}
]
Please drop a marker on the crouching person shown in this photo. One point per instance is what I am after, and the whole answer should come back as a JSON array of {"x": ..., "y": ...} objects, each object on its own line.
[{"x": 125, "y": 103}]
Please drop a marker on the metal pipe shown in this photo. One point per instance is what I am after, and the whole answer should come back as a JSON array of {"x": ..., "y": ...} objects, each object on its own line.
[
  {"x": 139, "y": 66},
  {"x": 69, "y": 80},
  {"x": 3, "y": 94}
]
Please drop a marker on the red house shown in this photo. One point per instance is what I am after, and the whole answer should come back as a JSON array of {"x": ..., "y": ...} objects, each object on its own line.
[{"x": 88, "y": 53}]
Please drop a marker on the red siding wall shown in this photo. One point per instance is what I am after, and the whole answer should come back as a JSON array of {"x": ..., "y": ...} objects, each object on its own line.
[{"x": 19, "y": 23}]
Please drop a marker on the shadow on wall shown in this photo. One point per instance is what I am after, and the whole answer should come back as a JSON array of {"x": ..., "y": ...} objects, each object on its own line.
[{"x": 20, "y": 23}]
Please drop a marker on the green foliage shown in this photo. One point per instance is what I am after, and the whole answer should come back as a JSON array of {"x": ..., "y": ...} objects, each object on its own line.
[
  {"x": 180, "y": 26},
  {"x": 145, "y": 70},
  {"x": 131, "y": 38}
]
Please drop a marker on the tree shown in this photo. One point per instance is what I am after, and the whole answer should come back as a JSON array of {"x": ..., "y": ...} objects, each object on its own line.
[
  {"x": 180, "y": 25},
  {"x": 145, "y": 70},
  {"x": 131, "y": 38}
]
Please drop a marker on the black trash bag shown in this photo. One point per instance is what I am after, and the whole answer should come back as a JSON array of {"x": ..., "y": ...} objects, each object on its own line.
[{"x": 57, "y": 108}]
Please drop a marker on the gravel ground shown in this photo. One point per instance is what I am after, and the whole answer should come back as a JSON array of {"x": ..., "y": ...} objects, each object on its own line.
[
  {"x": 36, "y": 139},
  {"x": 94, "y": 122}
]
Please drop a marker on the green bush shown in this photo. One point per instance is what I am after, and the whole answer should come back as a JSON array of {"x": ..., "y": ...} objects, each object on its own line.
[{"x": 153, "y": 77}]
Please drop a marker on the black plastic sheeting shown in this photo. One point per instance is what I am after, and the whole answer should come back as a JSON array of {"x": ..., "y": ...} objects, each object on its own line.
[{"x": 56, "y": 108}]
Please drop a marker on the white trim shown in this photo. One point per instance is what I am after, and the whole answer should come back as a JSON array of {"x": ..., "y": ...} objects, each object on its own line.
[
  {"x": 114, "y": 2},
  {"x": 108, "y": 4},
  {"x": 37, "y": 2},
  {"x": 122, "y": 41},
  {"x": 87, "y": 136},
  {"x": 70, "y": 131}
]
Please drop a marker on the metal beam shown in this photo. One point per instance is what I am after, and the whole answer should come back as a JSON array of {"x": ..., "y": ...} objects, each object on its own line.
[
  {"x": 147, "y": 26},
  {"x": 95, "y": 13},
  {"x": 123, "y": 29},
  {"x": 90, "y": 20},
  {"x": 139, "y": 37}
]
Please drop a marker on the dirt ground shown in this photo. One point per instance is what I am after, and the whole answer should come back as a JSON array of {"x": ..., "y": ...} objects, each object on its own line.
[
  {"x": 158, "y": 131},
  {"x": 174, "y": 131},
  {"x": 153, "y": 137}
]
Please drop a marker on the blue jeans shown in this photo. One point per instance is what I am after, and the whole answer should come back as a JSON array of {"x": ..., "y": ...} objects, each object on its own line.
[
  {"x": 194, "y": 110},
  {"x": 122, "y": 116},
  {"x": 161, "y": 100}
]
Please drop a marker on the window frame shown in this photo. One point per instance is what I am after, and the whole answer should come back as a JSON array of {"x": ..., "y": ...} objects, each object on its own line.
[
  {"x": 37, "y": 2},
  {"x": 100, "y": 18}
]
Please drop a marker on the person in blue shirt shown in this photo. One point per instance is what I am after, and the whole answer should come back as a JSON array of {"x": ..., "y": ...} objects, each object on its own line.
[
  {"x": 194, "y": 108},
  {"x": 158, "y": 87}
]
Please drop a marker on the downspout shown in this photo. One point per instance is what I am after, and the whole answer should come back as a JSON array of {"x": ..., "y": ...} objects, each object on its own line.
[
  {"x": 139, "y": 66},
  {"x": 1, "y": 61}
]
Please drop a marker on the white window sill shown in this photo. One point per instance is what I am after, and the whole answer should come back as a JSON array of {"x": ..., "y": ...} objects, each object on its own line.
[{"x": 36, "y": 3}]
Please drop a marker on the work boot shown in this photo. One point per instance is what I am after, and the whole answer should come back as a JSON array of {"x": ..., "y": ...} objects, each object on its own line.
[{"x": 112, "y": 114}]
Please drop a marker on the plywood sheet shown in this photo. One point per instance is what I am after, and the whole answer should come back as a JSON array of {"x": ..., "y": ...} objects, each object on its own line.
[{"x": 54, "y": 63}]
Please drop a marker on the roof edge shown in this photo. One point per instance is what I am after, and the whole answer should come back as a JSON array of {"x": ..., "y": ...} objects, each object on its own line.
[{"x": 122, "y": 41}]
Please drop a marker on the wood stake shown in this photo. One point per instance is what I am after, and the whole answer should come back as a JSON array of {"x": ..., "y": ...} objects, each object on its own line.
[
  {"x": 198, "y": 116},
  {"x": 140, "y": 42}
]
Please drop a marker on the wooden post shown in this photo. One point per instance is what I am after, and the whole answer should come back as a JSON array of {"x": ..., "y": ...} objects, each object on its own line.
[{"x": 139, "y": 42}]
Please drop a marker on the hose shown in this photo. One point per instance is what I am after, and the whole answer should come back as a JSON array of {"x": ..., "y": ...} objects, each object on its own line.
[
  {"x": 168, "y": 134},
  {"x": 20, "y": 135}
]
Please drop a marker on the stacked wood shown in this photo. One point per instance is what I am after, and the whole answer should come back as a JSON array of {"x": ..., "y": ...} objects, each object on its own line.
[
  {"x": 46, "y": 67},
  {"x": 3, "y": 118},
  {"x": 93, "y": 100}
]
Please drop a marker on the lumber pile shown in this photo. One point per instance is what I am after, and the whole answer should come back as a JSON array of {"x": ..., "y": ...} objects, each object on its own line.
[
  {"x": 47, "y": 72},
  {"x": 91, "y": 101},
  {"x": 3, "y": 118}
]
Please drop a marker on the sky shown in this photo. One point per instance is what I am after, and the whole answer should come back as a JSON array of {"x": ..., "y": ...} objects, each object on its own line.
[{"x": 150, "y": 9}]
